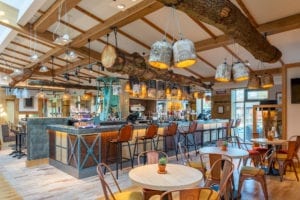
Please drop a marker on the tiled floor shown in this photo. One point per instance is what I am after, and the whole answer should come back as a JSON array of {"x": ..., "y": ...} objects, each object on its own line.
[{"x": 47, "y": 182}]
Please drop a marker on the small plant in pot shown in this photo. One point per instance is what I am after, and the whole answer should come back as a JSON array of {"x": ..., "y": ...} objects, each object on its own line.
[
  {"x": 162, "y": 162},
  {"x": 224, "y": 146}
]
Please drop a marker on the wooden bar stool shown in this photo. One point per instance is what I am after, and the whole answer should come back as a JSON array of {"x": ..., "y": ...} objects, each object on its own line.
[
  {"x": 169, "y": 132},
  {"x": 124, "y": 136},
  {"x": 189, "y": 132},
  {"x": 256, "y": 174},
  {"x": 150, "y": 134}
]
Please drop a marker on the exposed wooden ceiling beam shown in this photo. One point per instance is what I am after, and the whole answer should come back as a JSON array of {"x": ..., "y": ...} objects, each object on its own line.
[
  {"x": 118, "y": 20},
  {"x": 6, "y": 71},
  {"x": 51, "y": 16},
  {"x": 277, "y": 26},
  {"x": 228, "y": 18}
]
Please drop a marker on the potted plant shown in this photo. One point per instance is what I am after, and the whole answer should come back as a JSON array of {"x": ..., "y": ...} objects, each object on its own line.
[
  {"x": 224, "y": 146},
  {"x": 162, "y": 162}
]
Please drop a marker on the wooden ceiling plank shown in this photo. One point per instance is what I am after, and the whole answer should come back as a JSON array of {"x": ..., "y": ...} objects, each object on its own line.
[
  {"x": 51, "y": 15},
  {"x": 6, "y": 71},
  {"x": 20, "y": 59},
  {"x": 194, "y": 73},
  {"x": 118, "y": 20},
  {"x": 237, "y": 57},
  {"x": 170, "y": 37},
  {"x": 206, "y": 62}
]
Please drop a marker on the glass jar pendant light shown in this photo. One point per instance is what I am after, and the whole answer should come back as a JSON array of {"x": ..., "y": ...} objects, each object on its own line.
[
  {"x": 223, "y": 73},
  {"x": 184, "y": 53},
  {"x": 240, "y": 72}
]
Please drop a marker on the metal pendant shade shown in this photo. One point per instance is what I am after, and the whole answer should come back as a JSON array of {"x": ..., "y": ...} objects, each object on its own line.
[
  {"x": 240, "y": 72},
  {"x": 160, "y": 55},
  {"x": 223, "y": 73},
  {"x": 254, "y": 82},
  {"x": 267, "y": 81},
  {"x": 184, "y": 53}
]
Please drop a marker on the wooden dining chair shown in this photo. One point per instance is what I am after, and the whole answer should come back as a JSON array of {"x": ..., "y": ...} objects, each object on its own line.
[
  {"x": 284, "y": 160},
  {"x": 221, "y": 175},
  {"x": 198, "y": 193},
  {"x": 129, "y": 194},
  {"x": 151, "y": 157},
  {"x": 191, "y": 162}
]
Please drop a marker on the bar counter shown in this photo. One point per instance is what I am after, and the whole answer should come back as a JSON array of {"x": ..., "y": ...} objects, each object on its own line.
[{"x": 77, "y": 151}]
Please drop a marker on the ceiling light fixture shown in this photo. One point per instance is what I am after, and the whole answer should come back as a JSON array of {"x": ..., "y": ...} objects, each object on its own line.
[
  {"x": 70, "y": 55},
  {"x": 64, "y": 38},
  {"x": 43, "y": 68},
  {"x": 223, "y": 72},
  {"x": 183, "y": 50}
]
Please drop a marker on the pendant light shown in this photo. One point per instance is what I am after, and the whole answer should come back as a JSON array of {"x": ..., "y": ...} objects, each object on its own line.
[
  {"x": 240, "y": 72},
  {"x": 223, "y": 72},
  {"x": 183, "y": 50},
  {"x": 254, "y": 82},
  {"x": 127, "y": 87},
  {"x": 267, "y": 81},
  {"x": 184, "y": 53},
  {"x": 160, "y": 54}
]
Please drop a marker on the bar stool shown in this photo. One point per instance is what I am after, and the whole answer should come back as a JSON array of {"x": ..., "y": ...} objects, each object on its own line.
[
  {"x": 185, "y": 133},
  {"x": 150, "y": 134},
  {"x": 124, "y": 136},
  {"x": 169, "y": 132}
]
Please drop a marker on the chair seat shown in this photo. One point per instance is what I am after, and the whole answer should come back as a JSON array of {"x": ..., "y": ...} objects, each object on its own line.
[
  {"x": 126, "y": 195},
  {"x": 281, "y": 156},
  {"x": 253, "y": 171},
  {"x": 253, "y": 152},
  {"x": 203, "y": 195},
  {"x": 260, "y": 149},
  {"x": 282, "y": 151},
  {"x": 197, "y": 165}
]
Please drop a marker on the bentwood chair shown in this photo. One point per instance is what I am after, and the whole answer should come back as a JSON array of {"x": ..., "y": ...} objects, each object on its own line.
[
  {"x": 124, "y": 136},
  {"x": 197, "y": 193},
  {"x": 152, "y": 157},
  {"x": 129, "y": 194},
  {"x": 221, "y": 175}
]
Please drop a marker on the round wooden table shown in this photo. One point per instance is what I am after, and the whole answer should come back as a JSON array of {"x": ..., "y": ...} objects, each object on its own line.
[
  {"x": 232, "y": 152},
  {"x": 177, "y": 177}
]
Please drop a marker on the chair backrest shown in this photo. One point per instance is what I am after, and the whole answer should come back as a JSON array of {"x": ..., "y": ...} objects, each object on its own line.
[
  {"x": 152, "y": 156},
  {"x": 237, "y": 123},
  {"x": 210, "y": 159},
  {"x": 297, "y": 139},
  {"x": 255, "y": 135},
  {"x": 172, "y": 129},
  {"x": 151, "y": 131},
  {"x": 182, "y": 151},
  {"x": 231, "y": 123},
  {"x": 189, "y": 194},
  {"x": 193, "y": 127},
  {"x": 125, "y": 133},
  {"x": 226, "y": 175},
  {"x": 101, "y": 169},
  {"x": 291, "y": 149}
]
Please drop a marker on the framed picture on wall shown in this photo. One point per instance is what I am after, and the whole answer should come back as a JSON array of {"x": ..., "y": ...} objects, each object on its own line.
[
  {"x": 279, "y": 97},
  {"x": 29, "y": 102}
]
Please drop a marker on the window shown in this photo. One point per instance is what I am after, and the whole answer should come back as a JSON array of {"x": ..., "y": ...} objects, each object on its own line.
[{"x": 254, "y": 95}]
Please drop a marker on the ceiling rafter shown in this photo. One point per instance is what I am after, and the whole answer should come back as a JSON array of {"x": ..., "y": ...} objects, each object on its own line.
[{"x": 118, "y": 20}]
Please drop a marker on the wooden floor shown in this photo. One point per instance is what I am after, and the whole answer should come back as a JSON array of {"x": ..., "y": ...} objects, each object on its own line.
[{"x": 47, "y": 182}]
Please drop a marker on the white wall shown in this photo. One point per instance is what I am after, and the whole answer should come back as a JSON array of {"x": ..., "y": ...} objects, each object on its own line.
[{"x": 293, "y": 110}]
